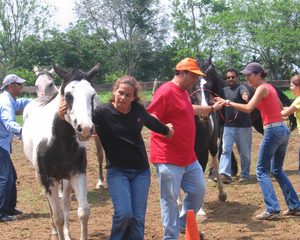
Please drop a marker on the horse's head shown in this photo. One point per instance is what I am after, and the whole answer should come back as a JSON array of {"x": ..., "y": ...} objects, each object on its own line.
[
  {"x": 44, "y": 82},
  {"x": 210, "y": 85},
  {"x": 79, "y": 96}
]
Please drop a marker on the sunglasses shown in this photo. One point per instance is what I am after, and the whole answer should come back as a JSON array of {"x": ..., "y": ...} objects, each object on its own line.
[{"x": 231, "y": 77}]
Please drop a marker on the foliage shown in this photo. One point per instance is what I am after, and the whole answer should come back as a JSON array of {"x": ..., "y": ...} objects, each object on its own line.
[
  {"x": 29, "y": 76},
  {"x": 131, "y": 29},
  {"x": 238, "y": 31},
  {"x": 113, "y": 76},
  {"x": 131, "y": 36},
  {"x": 19, "y": 18},
  {"x": 145, "y": 95}
]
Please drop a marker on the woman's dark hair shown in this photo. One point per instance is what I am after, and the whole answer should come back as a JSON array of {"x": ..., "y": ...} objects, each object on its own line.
[
  {"x": 262, "y": 73},
  {"x": 131, "y": 81}
]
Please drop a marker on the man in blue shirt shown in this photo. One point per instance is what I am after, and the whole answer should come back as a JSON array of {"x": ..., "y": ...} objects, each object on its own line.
[{"x": 9, "y": 105}]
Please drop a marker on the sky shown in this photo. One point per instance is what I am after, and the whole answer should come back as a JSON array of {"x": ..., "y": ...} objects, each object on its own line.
[{"x": 64, "y": 14}]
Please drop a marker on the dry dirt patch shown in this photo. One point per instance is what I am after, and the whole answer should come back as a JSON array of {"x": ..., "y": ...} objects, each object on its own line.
[{"x": 233, "y": 219}]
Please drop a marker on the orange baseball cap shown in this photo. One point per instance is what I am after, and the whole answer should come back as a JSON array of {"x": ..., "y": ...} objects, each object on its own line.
[{"x": 190, "y": 65}]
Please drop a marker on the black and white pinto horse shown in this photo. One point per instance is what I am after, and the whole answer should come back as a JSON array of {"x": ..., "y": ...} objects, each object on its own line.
[
  {"x": 57, "y": 147},
  {"x": 45, "y": 89}
]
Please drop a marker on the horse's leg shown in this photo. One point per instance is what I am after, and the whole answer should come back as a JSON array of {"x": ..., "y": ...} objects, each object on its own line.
[
  {"x": 55, "y": 211},
  {"x": 100, "y": 158},
  {"x": 79, "y": 184},
  {"x": 53, "y": 228},
  {"x": 234, "y": 165},
  {"x": 66, "y": 197},
  {"x": 215, "y": 164},
  {"x": 215, "y": 159}
]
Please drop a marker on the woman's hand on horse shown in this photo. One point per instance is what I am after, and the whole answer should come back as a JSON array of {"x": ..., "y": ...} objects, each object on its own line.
[
  {"x": 171, "y": 130},
  {"x": 62, "y": 108}
]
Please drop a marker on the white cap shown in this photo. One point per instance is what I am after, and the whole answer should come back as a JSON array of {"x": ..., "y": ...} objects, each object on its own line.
[{"x": 11, "y": 78}]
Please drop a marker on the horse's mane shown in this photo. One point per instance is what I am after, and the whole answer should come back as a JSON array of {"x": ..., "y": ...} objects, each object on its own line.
[
  {"x": 73, "y": 75},
  {"x": 44, "y": 72},
  {"x": 215, "y": 82}
]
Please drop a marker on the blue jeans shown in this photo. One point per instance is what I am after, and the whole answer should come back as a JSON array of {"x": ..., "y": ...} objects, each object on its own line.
[
  {"x": 171, "y": 178},
  {"x": 274, "y": 144},
  {"x": 299, "y": 161},
  {"x": 128, "y": 189},
  {"x": 8, "y": 177},
  {"x": 243, "y": 139}
]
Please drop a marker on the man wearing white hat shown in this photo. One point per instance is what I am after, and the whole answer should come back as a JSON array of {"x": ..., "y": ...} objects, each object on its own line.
[{"x": 9, "y": 105}]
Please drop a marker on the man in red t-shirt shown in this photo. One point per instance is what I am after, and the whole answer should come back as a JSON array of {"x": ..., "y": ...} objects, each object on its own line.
[{"x": 174, "y": 159}]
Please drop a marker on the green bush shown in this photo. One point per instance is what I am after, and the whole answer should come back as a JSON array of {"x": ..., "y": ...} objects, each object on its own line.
[
  {"x": 29, "y": 76},
  {"x": 112, "y": 77}
]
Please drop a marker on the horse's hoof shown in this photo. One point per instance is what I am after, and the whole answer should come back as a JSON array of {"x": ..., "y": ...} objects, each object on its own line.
[
  {"x": 60, "y": 194},
  {"x": 201, "y": 212},
  {"x": 223, "y": 197},
  {"x": 201, "y": 215},
  {"x": 99, "y": 184}
]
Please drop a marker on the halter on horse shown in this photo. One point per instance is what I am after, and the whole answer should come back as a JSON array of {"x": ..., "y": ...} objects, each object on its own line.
[{"x": 57, "y": 148}]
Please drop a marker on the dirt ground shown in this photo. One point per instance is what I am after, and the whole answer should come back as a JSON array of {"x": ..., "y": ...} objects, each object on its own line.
[{"x": 233, "y": 219}]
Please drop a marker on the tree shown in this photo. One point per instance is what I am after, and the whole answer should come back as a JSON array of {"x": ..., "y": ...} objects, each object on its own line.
[
  {"x": 132, "y": 29},
  {"x": 19, "y": 18},
  {"x": 266, "y": 31},
  {"x": 239, "y": 31}
]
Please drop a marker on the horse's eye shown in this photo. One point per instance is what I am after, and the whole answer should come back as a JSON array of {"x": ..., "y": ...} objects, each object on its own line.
[
  {"x": 92, "y": 102},
  {"x": 51, "y": 84},
  {"x": 69, "y": 99}
]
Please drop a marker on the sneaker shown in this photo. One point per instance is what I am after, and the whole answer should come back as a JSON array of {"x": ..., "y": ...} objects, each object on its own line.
[
  {"x": 267, "y": 215},
  {"x": 7, "y": 218},
  {"x": 225, "y": 179},
  {"x": 15, "y": 212},
  {"x": 292, "y": 212}
]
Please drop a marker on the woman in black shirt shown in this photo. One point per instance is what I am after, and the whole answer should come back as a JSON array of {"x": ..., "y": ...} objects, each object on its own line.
[{"x": 119, "y": 124}]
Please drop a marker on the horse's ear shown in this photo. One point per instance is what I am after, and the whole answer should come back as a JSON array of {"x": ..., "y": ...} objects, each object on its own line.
[
  {"x": 36, "y": 70},
  {"x": 51, "y": 71},
  {"x": 59, "y": 71},
  {"x": 210, "y": 59},
  {"x": 90, "y": 74},
  {"x": 198, "y": 58}
]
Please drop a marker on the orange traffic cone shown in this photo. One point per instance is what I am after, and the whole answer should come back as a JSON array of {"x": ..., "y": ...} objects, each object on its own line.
[{"x": 191, "y": 229}]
